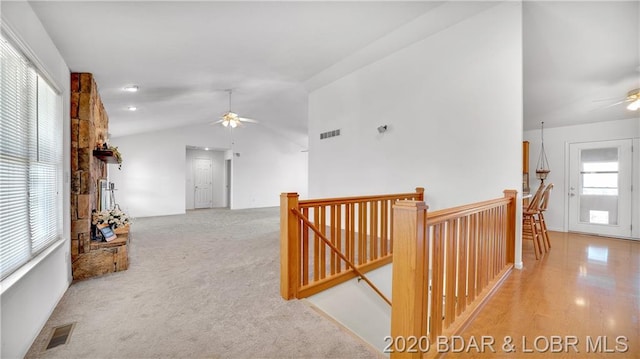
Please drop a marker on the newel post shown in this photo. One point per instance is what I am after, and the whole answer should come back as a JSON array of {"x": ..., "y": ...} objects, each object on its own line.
[
  {"x": 512, "y": 194},
  {"x": 289, "y": 246},
  {"x": 410, "y": 274}
]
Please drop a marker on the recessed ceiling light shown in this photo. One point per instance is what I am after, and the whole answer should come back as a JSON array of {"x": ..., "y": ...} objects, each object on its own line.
[
  {"x": 132, "y": 108},
  {"x": 132, "y": 88}
]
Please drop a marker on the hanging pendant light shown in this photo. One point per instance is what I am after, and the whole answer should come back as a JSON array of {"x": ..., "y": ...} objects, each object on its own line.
[{"x": 542, "y": 167}]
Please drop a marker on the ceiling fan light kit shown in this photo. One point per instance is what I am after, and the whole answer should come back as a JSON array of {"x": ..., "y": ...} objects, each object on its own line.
[
  {"x": 231, "y": 119},
  {"x": 634, "y": 97}
]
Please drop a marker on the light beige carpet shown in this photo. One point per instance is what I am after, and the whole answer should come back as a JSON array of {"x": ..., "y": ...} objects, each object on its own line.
[{"x": 200, "y": 285}]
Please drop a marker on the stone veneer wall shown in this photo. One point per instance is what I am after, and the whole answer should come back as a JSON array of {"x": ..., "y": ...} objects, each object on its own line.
[{"x": 89, "y": 126}]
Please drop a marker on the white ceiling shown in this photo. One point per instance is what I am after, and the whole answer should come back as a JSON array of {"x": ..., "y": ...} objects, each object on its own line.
[
  {"x": 579, "y": 58},
  {"x": 184, "y": 54}
]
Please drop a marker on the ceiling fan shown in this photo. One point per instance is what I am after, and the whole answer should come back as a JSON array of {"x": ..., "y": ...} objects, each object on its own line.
[
  {"x": 632, "y": 98},
  {"x": 232, "y": 119}
]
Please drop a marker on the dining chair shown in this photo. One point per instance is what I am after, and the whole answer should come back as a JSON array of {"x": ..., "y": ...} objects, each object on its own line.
[
  {"x": 529, "y": 221},
  {"x": 542, "y": 207}
]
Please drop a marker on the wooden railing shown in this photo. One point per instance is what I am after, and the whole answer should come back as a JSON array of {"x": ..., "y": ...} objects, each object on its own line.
[
  {"x": 446, "y": 264},
  {"x": 358, "y": 230}
]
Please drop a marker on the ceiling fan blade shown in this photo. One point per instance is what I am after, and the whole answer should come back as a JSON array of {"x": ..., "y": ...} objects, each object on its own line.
[
  {"x": 616, "y": 103},
  {"x": 217, "y": 122},
  {"x": 247, "y": 120}
]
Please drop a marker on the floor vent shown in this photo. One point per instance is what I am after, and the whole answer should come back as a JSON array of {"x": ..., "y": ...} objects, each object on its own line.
[{"x": 60, "y": 335}]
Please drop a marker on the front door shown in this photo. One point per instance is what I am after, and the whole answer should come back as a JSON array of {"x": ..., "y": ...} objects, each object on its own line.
[
  {"x": 203, "y": 175},
  {"x": 600, "y": 180}
]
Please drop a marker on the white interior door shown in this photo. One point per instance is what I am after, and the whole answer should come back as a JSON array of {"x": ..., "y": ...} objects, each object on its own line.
[
  {"x": 202, "y": 180},
  {"x": 600, "y": 180},
  {"x": 228, "y": 183}
]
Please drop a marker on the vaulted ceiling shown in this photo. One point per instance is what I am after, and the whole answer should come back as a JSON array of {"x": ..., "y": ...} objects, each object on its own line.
[{"x": 579, "y": 57}]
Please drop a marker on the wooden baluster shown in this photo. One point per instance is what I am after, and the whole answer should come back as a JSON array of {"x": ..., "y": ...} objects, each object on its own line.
[
  {"x": 496, "y": 241},
  {"x": 322, "y": 225},
  {"x": 352, "y": 232},
  {"x": 498, "y": 230},
  {"x": 437, "y": 285},
  {"x": 362, "y": 233},
  {"x": 496, "y": 254},
  {"x": 332, "y": 231},
  {"x": 487, "y": 253},
  {"x": 339, "y": 236},
  {"x": 504, "y": 236},
  {"x": 384, "y": 220},
  {"x": 316, "y": 246},
  {"x": 505, "y": 225},
  {"x": 305, "y": 249},
  {"x": 463, "y": 269},
  {"x": 289, "y": 246},
  {"x": 391, "y": 223},
  {"x": 492, "y": 236},
  {"x": 499, "y": 233},
  {"x": 410, "y": 274},
  {"x": 483, "y": 251},
  {"x": 511, "y": 224},
  {"x": 452, "y": 261},
  {"x": 473, "y": 259},
  {"x": 373, "y": 223}
]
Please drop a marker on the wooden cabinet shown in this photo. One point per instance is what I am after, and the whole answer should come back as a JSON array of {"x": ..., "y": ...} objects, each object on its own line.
[
  {"x": 525, "y": 157},
  {"x": 525, "y": 167}
]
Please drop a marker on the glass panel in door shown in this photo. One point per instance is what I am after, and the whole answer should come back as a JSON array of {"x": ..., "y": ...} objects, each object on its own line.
[{"x": 600, "y": 187}]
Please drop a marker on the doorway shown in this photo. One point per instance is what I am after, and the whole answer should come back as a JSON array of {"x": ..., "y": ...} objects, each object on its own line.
[
  {"x": 204, "y": 178},
  {"x": 228, "y": 183},
  {"x": 600, "y": 187},
  {"x": 203, "y": 183}
]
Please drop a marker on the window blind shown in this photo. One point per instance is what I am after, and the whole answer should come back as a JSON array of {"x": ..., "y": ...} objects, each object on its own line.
[{"x": 30, "y": 161}]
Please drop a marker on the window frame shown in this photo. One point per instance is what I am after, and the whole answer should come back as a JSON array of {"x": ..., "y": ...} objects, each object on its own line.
[{"x": 54, "y": 204}]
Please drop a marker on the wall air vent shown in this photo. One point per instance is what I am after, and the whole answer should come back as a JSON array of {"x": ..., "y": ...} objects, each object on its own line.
[{"x": 329, "y": 134}]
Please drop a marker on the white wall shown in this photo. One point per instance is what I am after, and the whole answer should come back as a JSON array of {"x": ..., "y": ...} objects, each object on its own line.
[
  {"x": 217, "y": 177},
  {"x": 453, "y": 104},
  {"x": 152, "y": 180},
  {"x": 556, "y": 141},
  {"x": 28, "y": 296}
]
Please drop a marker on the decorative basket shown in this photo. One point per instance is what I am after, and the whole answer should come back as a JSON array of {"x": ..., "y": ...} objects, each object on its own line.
[{"x": 121, "y": 230}]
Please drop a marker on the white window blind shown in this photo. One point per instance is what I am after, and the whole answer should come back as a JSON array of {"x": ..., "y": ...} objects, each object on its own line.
[{"x": 30, "y": 161}]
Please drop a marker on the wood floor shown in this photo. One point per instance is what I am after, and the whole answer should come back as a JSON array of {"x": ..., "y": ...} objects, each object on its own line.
[{"x": 585, "y": 291}]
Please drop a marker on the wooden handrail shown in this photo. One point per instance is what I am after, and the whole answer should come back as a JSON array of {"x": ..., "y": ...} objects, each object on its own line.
[
  {"x": 360, "y": 228},
  {"x": 444, "y": 215},
  {"x": 446, "y": 264},
  {"x": 418, "y": 195},
  {"x": 339, "y": 253}
]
